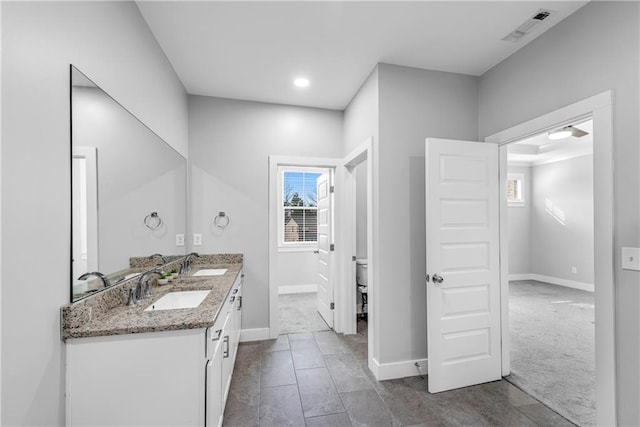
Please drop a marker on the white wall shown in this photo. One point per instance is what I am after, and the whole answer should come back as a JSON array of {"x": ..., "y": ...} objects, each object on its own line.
[
  {"x": 230, "y": 144},
  {"x": 557, "y": 246},
  {"x": 296, "y": 268},
  {"x": 111, "y": 43},
  {"x": 414, "y": 104},
  {"x": 361, "y": 115},
  {"x": 361, "y": 122},
  {"x": 519, "y": 226},
  {"x": 603, "y": 41}
]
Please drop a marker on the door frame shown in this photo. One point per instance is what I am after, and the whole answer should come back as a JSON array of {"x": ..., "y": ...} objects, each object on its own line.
[
  {"x": 274, "y": 163},
  {"x": 90, "y": 154},
  {"x": 346, "y": 228},
  {"x": 600, "y": 108},
  {"x": 348, "y": 273}
]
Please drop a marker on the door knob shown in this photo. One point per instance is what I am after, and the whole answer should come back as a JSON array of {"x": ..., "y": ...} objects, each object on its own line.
[{"x": 437, "y": 279}]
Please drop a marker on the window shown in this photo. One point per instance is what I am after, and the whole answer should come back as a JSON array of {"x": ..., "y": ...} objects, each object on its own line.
[
  {"x": 298, "y": 207},
  {"x": 515, "y": 189}
]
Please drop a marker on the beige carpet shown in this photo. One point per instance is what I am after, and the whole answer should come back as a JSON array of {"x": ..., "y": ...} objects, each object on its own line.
[
  {"x": 299, "y": 313},
  {"x": 553, "y": 347}
]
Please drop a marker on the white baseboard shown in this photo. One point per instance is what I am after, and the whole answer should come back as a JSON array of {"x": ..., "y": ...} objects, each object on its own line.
[
  {"x": 589, "y": 287},
  {"x": 390, "y": 371},
  {"x": 247, "y": 335},
  {"x": 297, "y": 289},
  {"x": 522, "y": 276}
]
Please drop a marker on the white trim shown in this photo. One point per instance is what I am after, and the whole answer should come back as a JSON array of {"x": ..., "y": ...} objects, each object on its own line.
[
  {"x": 347, "y": 312},
  {"x": 297, "y": 289},
  {"x": 393, "y": 370},
  {"x": 583, "y": 286},
  {"x": 259, "y": 334},
  {"x": 520, "y": 276},
  {"x": 274, "y": 162},
  {"x": 90, "y": 154},
  {"x": 308, "y": 248},
  {"x": 600, "y": 108},
  {"x": 293, "y": 246}
]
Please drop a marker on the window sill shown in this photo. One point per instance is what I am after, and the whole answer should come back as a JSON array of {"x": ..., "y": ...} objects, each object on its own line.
[
  {"x": 516, "y": 204},
  {"x": 297, "y": 248}
]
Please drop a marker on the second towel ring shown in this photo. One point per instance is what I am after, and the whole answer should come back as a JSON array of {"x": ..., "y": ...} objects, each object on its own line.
[
  {"x": 221, "y": 220},
  {"x": 152, "y": 221}
]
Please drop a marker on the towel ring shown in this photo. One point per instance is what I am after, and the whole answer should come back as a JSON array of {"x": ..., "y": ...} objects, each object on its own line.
[
  {"x": 221, "y": 220},
  {"x": 153, "y": 221}
]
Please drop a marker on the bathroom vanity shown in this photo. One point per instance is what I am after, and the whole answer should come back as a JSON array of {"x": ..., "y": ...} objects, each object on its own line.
[{"x": 146, "y": 365}]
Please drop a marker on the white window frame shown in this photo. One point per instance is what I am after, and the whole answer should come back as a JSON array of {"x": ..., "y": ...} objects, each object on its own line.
[
  {"x": 291, "y": 246},
  {"x": 521, "y": 201}
]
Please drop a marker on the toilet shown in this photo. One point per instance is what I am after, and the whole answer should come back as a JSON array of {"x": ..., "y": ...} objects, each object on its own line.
[
  {"x": 361, "y": 272},
  {"x": 362, "y": 282}
]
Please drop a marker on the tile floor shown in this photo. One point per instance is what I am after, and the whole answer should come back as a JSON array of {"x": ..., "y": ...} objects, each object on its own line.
[{"x": 321, "y": 379}]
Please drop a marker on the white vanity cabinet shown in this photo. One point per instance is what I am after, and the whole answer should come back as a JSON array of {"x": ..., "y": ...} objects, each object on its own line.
[
  {"x": 167, "y": 378},
  {"x": 224, "y": 338}
]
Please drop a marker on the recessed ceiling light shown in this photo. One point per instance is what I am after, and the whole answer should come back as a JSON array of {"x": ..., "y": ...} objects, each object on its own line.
[{"x": 301, "y": 82}]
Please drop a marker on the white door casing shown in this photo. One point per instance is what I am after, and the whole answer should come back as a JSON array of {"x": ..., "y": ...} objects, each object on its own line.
[
  {"x": 325, "y": 284},
  {"x": 463, "y": 248},
  {"x": 600, "y": 108},
  {"x": 85, "y": 210}
]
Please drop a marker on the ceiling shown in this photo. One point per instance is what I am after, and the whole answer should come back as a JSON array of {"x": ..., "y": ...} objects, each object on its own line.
[
  {"x": 540, "y": 149},
  {"x": 254, "y": 50}
]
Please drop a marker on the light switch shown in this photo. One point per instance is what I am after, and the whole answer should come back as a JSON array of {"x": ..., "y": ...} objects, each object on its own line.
[
  {"x": 197, "y": 239},
  {"x": 631, "y": 258}
]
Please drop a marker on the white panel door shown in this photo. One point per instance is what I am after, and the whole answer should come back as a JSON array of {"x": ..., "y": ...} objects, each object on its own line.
[
  {"x": 463, "y": 287},
  {"x": 325, "y": 283}
]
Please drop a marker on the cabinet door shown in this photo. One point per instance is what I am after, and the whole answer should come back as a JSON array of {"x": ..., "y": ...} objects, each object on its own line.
[
  {"x": 214, "y": 404},
  {"x": 227, "y": 355}
]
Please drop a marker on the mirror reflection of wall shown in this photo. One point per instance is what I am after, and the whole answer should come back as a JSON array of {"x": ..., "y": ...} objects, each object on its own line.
[{"x": 121, "y": 173}]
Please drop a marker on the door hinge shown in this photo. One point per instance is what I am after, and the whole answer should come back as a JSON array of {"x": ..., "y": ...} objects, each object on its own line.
[
  {"x": 427, "y": 278},
  {"x": 353, "y": 258},
  {"x": 332, "y": 247},
  {"x": 332, "y": 189},
  {"x": 332, "y": 306}
]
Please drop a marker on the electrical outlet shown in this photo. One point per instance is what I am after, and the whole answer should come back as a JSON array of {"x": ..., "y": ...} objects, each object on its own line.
[
  {"x": 631, "y": 258},
  {"x": 197, "y": 239},
  {"x": 179, "y": 239},
  {"x": 574, "y": 270}
]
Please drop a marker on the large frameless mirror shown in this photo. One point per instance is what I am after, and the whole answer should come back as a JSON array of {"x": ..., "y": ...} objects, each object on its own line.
[{"x": 128, "y": 191}]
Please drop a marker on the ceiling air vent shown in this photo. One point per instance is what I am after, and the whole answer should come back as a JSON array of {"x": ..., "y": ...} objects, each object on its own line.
[{"x": 528, "y": 25}]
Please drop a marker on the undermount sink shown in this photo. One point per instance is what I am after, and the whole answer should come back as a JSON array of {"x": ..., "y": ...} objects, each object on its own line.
[
  {"x": 176, "y": 300},
  {"x": 210, "y": 272}
]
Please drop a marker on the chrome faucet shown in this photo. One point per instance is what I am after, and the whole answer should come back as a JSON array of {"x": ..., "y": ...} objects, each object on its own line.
[
  {"x": 105, "y": 279},
  {"x": 186, "y": 263},
  {"x": 143, "y": 289},
  {"x": 164, "y": 260}
]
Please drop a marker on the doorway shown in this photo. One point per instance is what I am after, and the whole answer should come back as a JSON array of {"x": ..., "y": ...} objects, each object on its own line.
[
  {"x": 301, "y": 223},
  {"x": 551, "y": 277},
  {"x": 358, "y": 260},
  {"x": 599, "y": 108}
]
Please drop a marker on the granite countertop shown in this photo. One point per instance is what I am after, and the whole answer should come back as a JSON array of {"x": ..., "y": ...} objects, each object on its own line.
[{"x": 122, "y": 319}]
